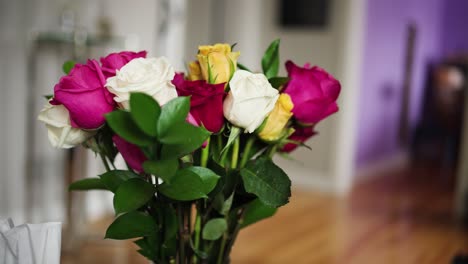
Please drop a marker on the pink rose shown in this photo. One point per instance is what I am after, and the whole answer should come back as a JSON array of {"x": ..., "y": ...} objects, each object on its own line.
[
  {"x": 206, "y": 102},
  {"x": 83, "y": 93},
  {"x": 302, "y": 134},
  {"x": 313, "y": 92},
  {"x": 131, "y": 153},
  {"x": 115, "y": 61}
]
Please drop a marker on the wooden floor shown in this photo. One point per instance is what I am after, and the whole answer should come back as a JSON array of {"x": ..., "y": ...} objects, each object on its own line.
[{"x": 402, "y": 217}]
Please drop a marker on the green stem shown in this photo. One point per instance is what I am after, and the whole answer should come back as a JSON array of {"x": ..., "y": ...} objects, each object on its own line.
[
  {"x": 197, "y": 233},
  {"x": 220, "y": 142},
  {"x": 181, "y": 234},
  {"x": 112, "y": 164},
  {"x": 188, "y": 230},
  {"x": 235, "y": 153},
  {"x": 272, "y": 151},
  {"x": 205, "y": 153},
  {"x": 222, "y": 160},
  {"x": 248, "y": 147},
  {"x": 221, "y": 249},
  {"x": 104, "y": 161},
  {"x": 240, "y": 221}
]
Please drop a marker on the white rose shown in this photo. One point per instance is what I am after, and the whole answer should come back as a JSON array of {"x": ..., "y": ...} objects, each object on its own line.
[
  {"x": 250, "y": 100},
  {"x": 61, "y": 133},
  {"x": 152, "y": 76}
]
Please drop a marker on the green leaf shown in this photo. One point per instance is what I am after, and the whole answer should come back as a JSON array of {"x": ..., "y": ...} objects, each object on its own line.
[
  {"x": 235, "y": 132},
  {"x": 233, "y": 46},
  {"x": 200, "y": 253},
  {"x": 145, "y": 112},
  {"x": 48, "y": 96},
  {"x": 208, "y": 177},
  {"x": 131, "y": 225},
  {"x": 214, "y": 229},
  {"x": 192, "y": 142},
  {"x": 149, "y": 246},
  {"x": 227, "y": 205},
  {"x": 174, "y": 112},
  {"x": 223, "y": 206},
  {"x": 232, "y": 68},
  {"x": 68, "y": 66},
  {"x": 113, "y": 179},
  {"x": 277, "y": 82},
  {"x": 184, "y": 134},
  {"x": 185, "y": 186},
  {"x": 133, "y": 194},
  {"x": 270, "y": 60},
  {"x": 211, "y": 78},
  {"x": 243, "y": 67},
  {"x": 123, "y": 125},
  {"x": 164, "y": 169},
  {"x": 87, "y": 184},
  {"x": 256, "y": 211},
  {"x": 267, "y": 181}
]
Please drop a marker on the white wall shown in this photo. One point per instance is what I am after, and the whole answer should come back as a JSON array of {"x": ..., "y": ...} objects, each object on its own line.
[
  {"x": 329, "y": 166},
  {"x": 319, "y": 47},
  {"x": 12, "y": 102}
]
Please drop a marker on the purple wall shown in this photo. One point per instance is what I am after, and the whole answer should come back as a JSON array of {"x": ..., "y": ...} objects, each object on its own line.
[
  {"x": 455, "y": 21},
  {"x": 384, "y": 50}
]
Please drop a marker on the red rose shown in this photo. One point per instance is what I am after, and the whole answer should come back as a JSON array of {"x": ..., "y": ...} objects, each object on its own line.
[
  {"x": 206, "y": 103},
  {"x": 115, "y": 61},
  {"x": 302, "y": 134},
  {"x": 83, "y": 93},
  {"x": 313, "y": 92}
]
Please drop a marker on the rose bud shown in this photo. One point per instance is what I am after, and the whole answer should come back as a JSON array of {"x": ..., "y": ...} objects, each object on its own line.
[
  {"x": 217, "y": 62},
  {"x": 275, "y": 123},
  {"x": 250, "y": 100},
  {"x": 152, "y": 76},
  {"x": 59, "y": 130},
  {"x": 313, "y": 92}
]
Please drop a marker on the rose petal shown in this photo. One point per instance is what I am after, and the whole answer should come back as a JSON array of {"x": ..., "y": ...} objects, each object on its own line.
[{"x": 131, "y": 153}]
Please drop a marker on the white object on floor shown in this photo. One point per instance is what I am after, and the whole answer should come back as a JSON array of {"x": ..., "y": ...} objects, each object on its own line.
[{"x": 30, "y": 243}]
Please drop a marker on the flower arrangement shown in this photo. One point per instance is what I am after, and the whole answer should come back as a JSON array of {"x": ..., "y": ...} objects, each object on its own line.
[{"x": 198, "y": 147}]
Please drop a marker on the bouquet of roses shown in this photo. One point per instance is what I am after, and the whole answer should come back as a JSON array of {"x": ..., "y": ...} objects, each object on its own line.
[{"x": 198, "y": 147}]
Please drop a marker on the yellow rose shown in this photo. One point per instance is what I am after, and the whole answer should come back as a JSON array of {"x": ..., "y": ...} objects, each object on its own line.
[
  {"x": 273, "y": 129},
  {"x": 194, "y": 71},
  {"x": 217, "y": 62}
]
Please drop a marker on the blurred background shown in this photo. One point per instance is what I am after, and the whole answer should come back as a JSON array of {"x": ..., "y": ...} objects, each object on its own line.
[{"x": 386, "y": 180}]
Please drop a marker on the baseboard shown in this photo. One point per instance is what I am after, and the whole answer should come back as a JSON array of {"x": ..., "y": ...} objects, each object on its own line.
[
  {"x": 307, "y": 179},
  {"x": 375, "y": 169},
  {"x": 312, "y": 181}
]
